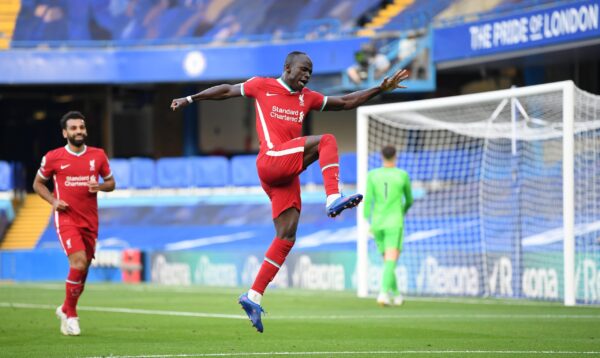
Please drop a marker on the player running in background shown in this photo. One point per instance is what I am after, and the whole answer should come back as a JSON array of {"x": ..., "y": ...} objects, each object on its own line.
[
  {"x": 388, "y": 198},
  {"x": 281, "y": 106},
  {"x": 75, "y": 170}
]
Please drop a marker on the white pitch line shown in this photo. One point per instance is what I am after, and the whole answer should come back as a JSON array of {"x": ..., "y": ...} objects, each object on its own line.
[
  {"x": 329, "y": 354},
  {"x": 306, "y": 317},
  {"x": 127, "y": 310}
]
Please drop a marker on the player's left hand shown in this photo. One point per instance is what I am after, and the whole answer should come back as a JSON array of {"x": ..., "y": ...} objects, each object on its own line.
[
  {"x": 393, "y": 82},
  {"x": 178, "y": 103}
]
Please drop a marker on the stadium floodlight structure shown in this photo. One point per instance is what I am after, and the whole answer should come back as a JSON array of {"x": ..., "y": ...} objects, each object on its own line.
[{"x": 507, "y": 187}]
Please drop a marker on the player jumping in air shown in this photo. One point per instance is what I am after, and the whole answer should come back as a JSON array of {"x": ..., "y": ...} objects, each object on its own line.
[
  {"x": 281, "y": 106},
  {"x": 75, "y": 170}
]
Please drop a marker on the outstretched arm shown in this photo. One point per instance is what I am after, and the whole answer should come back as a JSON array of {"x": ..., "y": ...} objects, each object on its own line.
[
  {"x": 355, "y": 99},
  {"x": 219, "y": 92}
]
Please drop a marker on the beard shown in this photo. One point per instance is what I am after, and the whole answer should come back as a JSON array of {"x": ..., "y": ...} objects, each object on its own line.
[{"x": 76, "y": 142}]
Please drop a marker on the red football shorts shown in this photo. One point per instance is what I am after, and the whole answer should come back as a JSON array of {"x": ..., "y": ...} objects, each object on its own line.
[
  {"x": 75, "y": 239},
  {"x": 279, "y": 169}
]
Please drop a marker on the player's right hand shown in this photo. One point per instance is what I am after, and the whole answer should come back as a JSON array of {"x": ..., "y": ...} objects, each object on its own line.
[
  {"x": 178, "y": 103},
  {"x": 59, "y": 205}
]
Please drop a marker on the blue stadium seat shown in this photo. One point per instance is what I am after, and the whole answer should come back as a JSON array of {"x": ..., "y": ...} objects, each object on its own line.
[
  {"x": 312, "y": 175},
  {"x": 243, "y": 170},
  {"x": 423, "y": 165},
  {"x": 6, "y": 177},
  {"x": 174, "y": 173},
  {"x": 457, "y": 165},
  {"x": 121, "y": 169},
  {"x": 315, "y": 173},
  {"x": 143, "y": 173},
  {"x": 305, "y": 178},
  {"x": 210, "y": 171},
  {"x": 348, "y": 168}
]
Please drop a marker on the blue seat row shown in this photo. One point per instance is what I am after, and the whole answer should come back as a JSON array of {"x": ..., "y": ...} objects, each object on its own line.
[
  {"x": 145, "y": 21},
  {"x": 6, "y": 176},
  {"x": 209, "y": 171}
]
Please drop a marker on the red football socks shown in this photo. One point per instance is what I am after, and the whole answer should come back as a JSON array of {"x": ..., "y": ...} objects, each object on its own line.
[
  {"x": 274, "y": 259},
  {"x": 329, "y": 162},
  {"x": 74, "y": 286}
]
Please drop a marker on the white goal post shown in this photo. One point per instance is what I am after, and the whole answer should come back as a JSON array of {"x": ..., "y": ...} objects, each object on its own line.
[{"x": 506, "y": 187}]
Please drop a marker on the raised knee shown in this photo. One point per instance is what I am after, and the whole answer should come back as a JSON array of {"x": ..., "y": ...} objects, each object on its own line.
[{"x": 328, "y": 138}]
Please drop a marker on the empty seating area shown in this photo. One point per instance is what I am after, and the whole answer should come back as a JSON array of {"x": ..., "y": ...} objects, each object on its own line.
[
  {"x": 417, "y": 15},
  {"x": 451, "y": 165},
  {"x": 200, "y": 20},
  {"x": 130, "y": 22},
  {"x": 209, "y": 172},
  {"x": 6, "y": 176}
]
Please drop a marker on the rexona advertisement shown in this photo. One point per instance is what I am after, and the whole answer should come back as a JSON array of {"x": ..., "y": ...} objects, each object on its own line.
[
  {"x": 316, "y": 271},
  {"x": 539, "y": 276},
  {"x": 578, "y": 21}
]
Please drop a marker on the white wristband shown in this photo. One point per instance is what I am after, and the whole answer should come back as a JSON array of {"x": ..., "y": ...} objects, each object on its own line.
[{"x": 189, "y": 99}]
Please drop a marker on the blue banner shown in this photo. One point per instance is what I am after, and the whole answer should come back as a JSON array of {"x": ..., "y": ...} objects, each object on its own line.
[
  {"x": 568, "y": 23},
  {"x": 168, "y": 64}
]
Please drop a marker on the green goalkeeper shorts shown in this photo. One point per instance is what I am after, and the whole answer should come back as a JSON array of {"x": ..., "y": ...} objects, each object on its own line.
[{"x": 389, "y": 239}]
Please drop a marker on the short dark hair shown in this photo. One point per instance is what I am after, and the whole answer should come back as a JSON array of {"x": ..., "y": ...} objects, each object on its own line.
[
  {"x": 291, "y": 57},
  {"x": 388, "y": 152},
  {"x": 70, "y": 115}
]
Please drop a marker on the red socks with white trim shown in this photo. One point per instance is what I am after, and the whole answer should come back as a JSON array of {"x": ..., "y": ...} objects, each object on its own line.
[
  {"x": 329, "y": 163},
  {"x": 74, "y": 287},
  {"x": 274, "y": 259}
]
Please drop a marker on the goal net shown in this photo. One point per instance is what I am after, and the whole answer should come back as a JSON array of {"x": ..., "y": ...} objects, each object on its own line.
[{"x": 507, "y": 194}]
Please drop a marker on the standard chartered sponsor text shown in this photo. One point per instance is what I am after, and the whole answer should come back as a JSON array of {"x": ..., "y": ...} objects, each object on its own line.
[
  {"x": 286, "y": 114},
  {"x": 81, "y": 180}
]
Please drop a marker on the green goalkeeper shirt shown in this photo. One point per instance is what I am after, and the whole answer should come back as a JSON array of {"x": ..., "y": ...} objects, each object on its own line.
[{"x": 388, "y": 198}]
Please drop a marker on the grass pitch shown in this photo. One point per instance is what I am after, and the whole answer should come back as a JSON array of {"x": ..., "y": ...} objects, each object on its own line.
[{"x": 158, "y": 321}]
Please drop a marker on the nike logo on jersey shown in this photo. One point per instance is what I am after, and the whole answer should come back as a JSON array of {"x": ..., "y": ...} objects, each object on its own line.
[
  {"x": 64, "y": 166},
  {"x": 269, "y": 94}
]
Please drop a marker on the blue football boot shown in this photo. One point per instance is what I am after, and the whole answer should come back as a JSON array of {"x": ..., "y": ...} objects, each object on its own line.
[
  {"x": 253, "y": 310},
  {"x": 342, "y": 203}
]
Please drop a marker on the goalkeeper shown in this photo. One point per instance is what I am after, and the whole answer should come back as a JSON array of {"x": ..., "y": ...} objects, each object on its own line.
[{"x": 387, "y": 200}]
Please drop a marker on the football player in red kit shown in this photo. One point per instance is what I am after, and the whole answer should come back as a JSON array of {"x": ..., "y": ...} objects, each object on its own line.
[
  {"x": 75, "y": 170},
  {"x": 281, "y": 106}
]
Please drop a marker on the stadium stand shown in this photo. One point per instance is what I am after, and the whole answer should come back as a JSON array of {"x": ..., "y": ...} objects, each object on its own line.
[
  {"x": 6, "y": 176},
  {"x": 464, "y": 11},
  {"x": 348, "y": 168},
  {"x": 143, "y": 173},
  {"x": 240, "y": 170},
  {"x": 202, "y": 172},
  {"x": 210, "y": 171},
  {"x": 199, "y": 20},
  {"x": 406, "y": 15},
  {"x": 312, "y": 175},
  {"x": 174, "y": 173},
  {"x": 243, "y": 171},
  {"x": 121, "y": 169},
  {"x": 9, "y": 10}
]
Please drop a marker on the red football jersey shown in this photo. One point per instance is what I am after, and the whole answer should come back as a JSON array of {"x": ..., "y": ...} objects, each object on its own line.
[
  {"x": 280, "y": 111},
  {"x": 71, "y": 172}
]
